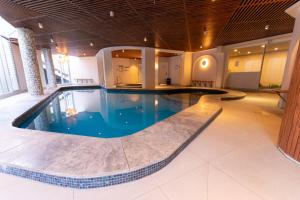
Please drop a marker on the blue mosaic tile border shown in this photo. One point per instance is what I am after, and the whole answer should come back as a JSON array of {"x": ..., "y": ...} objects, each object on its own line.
[{"x": 104, "y": 181}]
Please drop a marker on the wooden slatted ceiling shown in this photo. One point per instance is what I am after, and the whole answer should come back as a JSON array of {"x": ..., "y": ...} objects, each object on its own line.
[
  {"x": 250, "y": 18},
  {"x": 168, "y": 24}
]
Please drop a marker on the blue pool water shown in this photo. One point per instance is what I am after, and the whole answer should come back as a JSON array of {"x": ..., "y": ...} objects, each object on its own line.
[{"x": 98, "y": 113}]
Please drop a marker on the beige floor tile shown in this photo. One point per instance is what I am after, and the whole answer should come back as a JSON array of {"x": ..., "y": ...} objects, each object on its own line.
[
  {"x": 223, "y": 187},
  {"x": 153, "y": 195},
  {"x": 192, "y": 186},
  {"x": 126, "y": 191},
  {"x": 182, "y": 164},
  {"x": 23, "y": 189},
  {"x": 263, "y": 170}
]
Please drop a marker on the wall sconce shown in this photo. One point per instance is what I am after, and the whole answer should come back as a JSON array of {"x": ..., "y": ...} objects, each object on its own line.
[{"x": 204, "y": 63}]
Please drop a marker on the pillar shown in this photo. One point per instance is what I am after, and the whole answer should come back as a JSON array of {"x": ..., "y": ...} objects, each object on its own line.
[
  {"x": 289, "y": 137},
  {"x": 156, "y": 70},
  {"x": 30, "y": 64},
  {"x": 148, "y": 68},
  {"x": 186, "y": 69},
  {"x": 49, "y": 67},
  {"x": 108, "y": 69},
  {"x": 293, "y": 11}
]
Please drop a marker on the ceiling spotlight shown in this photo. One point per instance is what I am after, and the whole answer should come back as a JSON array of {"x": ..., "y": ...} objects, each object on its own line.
[
  {"x": 111, "y": 13},
  {"x": 145, "y": 39},
  {"x": 276, "y": 49},
  {"x": 51, "y": 40},
  {"x": 213, "y": 0},
  {"x": 40, "y": 25},
  {"x": 123, "y": 50},
  {"x": 91, "y": 44},
  {"x": 235, "y": 50},
  {"x": 84, "y": 54},
  {"x": 263, "y": 46},
  {"x": 248, "y": 52},
  {"x": 201, "y": 47},
  {"x": 267, "y": 27}
]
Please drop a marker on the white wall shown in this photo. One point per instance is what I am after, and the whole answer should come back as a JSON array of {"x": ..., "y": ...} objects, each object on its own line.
[
  {"x": 218, "y": 55},
  {"x": 163, "y": 69},
  {"x": 273, "y": 66},
  {"x": 175, "y": 66},
  {"x": 207, "y": 73},
  {"x": 126, "y": 71},
  {"x": 245, "y": 63},
  {"x": 19, "y": 67},
  {"x": 243, "y": 80},
  {"x": 84, "y": 68}
]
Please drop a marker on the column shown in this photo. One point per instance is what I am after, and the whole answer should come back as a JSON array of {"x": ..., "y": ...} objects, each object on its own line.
[
  {"x": 29, "y": 60},
  {"x": 49, "y": 67},
  {"x": 186, "y": 69},
  {"x": 293, "y": 11},
  {"x": 108, "y": 69},
  {"x": 156, "y": 70},
  {"x": 148, "y": 68},
  {"x": 289, "y": 137}
]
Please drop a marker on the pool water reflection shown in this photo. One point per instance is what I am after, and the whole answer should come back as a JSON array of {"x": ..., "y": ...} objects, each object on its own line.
[{"x": 103, "y": 114}]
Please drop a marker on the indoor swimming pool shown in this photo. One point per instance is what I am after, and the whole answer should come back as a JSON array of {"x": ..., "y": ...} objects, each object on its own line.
[{"x": 103, "y": 114}]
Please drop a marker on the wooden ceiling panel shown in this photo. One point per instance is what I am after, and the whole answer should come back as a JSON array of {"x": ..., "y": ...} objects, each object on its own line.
[{"x": 176, "y": 24}]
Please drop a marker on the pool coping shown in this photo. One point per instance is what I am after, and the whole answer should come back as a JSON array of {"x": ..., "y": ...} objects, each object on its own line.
[{"x": 207, "y": 101}]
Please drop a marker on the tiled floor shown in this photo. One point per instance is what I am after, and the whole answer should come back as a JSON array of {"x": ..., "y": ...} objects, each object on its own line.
[{"x": 234, "y": 158}]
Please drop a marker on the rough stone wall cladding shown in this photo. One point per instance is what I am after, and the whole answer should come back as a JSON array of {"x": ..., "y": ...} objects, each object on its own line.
[
  {"x": 49, "y": 67},
  {"x": 29, "y": 59}
]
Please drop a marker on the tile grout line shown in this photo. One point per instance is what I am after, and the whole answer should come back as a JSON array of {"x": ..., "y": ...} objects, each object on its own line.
[
  {"x": 125, "y": 155},
  {"x": 207, "y": 181},
  {"x": 164, "y": 194},
  {"x": 236, "y": 181}
]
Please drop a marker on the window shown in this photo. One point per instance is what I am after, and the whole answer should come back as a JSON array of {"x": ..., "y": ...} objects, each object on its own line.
[
  {"x": 8, "y": 73},
  {"x": 8, "y": 77}
]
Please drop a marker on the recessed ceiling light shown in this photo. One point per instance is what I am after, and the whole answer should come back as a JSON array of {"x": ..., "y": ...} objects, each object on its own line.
[
  {"x": 276, "y": 49},
  {"x": 235, "y": 50},
  {"x": 213, "y": 0},
  {"x": 111, "y": 13},
  {"x": 145, "y": 39},
  {"x": 263, "y": 46},
  {"x": 201, "y": 46},
  {"x": 40, "y": 25},
  {"x": 84, "y": 54},
  {"x": 91, "y": 44},
  {"x": 123, "y": 50},
  {"x": 248, "y": 52},
  {"x": 51, "y": 40},
  {"x": 267, "y": 27}
]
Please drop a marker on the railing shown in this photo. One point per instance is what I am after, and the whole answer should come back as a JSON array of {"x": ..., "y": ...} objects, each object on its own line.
[
  {"x": 202, "y": 83},
  {"x": 84, "y": 81}
]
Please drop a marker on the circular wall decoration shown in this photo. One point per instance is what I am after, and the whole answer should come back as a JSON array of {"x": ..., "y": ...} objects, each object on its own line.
[{"x": 204, "y": 62}]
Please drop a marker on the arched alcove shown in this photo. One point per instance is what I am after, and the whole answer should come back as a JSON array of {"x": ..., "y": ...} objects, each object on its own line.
[{"x": 205, "y": 69}]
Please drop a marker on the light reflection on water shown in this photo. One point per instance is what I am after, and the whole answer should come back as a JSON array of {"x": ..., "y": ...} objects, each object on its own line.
[{"x": 98, "y": 113}]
